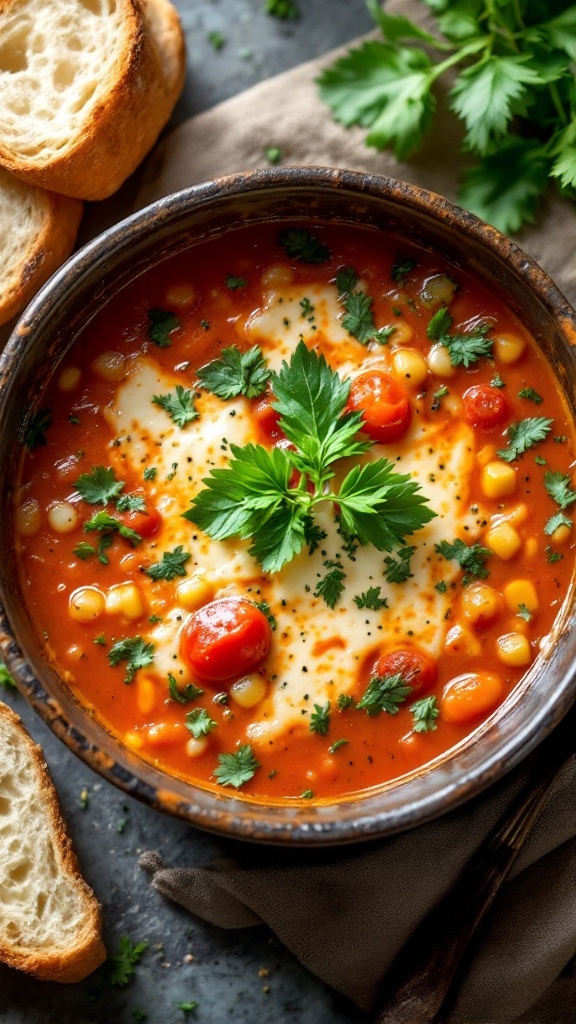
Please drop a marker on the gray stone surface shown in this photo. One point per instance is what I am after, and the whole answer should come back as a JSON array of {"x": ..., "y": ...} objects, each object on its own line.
[{"x": 224, "y": 975}]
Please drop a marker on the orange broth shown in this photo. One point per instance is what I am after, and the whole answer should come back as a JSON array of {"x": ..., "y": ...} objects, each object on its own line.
[{"x": 296, "y": 762}]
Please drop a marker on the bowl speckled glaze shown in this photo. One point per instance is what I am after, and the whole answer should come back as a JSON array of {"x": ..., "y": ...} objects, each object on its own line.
[{"x": 46, "y": 331}]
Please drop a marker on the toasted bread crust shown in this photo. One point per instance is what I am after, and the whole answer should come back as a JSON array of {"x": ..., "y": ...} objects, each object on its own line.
[
  {"x": 120, "y": 128},
  {"x": 79, "y": 959},
  {"x": 44, "y": 249}
]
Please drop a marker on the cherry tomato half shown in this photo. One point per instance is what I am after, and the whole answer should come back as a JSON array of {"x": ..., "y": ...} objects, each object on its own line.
[
  {"x": 225, "y": 639},
  {"x": 146, "y": 523},
  {"x": 384, "y": 404},
  {"x": 486, "y": 407},
  {"x": 416, "y": 667}
]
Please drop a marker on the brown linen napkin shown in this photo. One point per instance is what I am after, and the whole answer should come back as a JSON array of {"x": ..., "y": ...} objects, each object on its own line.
[{"x": 346, "y": 914}]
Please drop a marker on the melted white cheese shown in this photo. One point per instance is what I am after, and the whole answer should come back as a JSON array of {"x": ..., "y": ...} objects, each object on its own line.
[{"x": 316, "y": 651}]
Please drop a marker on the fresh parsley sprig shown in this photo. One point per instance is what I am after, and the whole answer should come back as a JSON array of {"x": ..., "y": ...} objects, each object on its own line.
[
  {"x": 236, "y": 373},
  {"x": 237, "y": 768},
  {"x": 179, "y": 404},
  {"x": 465, "y": 348},
  {"x": 513, "y": 92},
  {"x": 384, "y": 693},
  {"x": 470, "y": 557},
  {"x": 524, "y": 435},
  {"x": 170, "y": 566},
  {"x": 135, "y": 651},
  {"x": 253, "y": 497}
]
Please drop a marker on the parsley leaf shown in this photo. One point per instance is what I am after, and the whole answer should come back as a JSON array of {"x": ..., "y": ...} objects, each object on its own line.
[
  {"x": 359, "y": 319},
  {"x": 304, "y": 247},
  {"x": 346, "y": 280},
  {"x": 495, "y": 86},
  {"x": 160, "y": 326},
  {"x": 6, "y": 679},
  {"x": 131, "y": 503},
  {"x": 108, "y": 524},
  {"x": 425, "y": 712},
  {"x": 124, "y": 961},
  {"x": 524, "y": 435},
  {"x": 84, "y": 550},
  {"x": 345, "y": 701},
  {"x": 471, "y": 557},
  {"x": 506, "y": 186},
  {"x": 320, "y": 719},
  {"x": 264, "y": 607},
  {"x": 524, "y": 612},
  {"x": 179, "y": 404},
  {"x": 185, "y": 696},
  {"x": 236, "y": 373},
  {"x": 371, "y": 599},
  {"x": 199, "y": 723},
  {"x": 331, "y": 585},
  {"x": 464, "y": 349},
  {"x": 237, "y": 768},
  {"x": 99, "y": 486},
  {"x": 171, "y": 565},
  {"x": 233, "y": 283},
  {"x": 384, "y": 693},
  {"x": 559, "y": 489},
  {"x": 252, "y": 497},
  {"x": 400, "y": 270},
  {"x": 531, "y": 395},
  {"x": 399, "y": 570},
  {"x": 558, "y": 519},
  {"x": 135, "y": 651},
  {"x": 336, "y": 745},
  {"x": 286, "y": 10},
  {"x": 35, "y": 435}
]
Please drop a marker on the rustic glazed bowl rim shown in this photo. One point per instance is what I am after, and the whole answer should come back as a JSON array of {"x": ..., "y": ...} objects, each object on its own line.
[{"x": 449, "y": 781}]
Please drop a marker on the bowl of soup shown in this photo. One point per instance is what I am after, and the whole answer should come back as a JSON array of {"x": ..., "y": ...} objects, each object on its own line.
[{"x": 288, "y": 505}]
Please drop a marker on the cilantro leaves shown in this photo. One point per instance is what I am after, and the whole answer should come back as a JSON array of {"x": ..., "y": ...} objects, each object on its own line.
[
  {"x": 124, "y": 961},
  {"x": 330, "y": 586},
  {"x": 179, "y": 404},
  {"x": 236, "y": 373},
  {"x": 524, "y": 435},
  {"x": 464, "y": 349},
  {"x": 99, "y": 486},
  {"x": 135, "y": 651},
  {"x": 303, "y": 246},
  {"x": 358, "y": 319},
  {"x": 171, "y": 565},
  {"x": 471, "y": 557},
  {"x": 237, "y": 768},
  {"x": 384, "y": 693},
  {"x": 252, "y": 497},
  {"x": 160, "y": 326},
  {"x": 514, "y": 72}
]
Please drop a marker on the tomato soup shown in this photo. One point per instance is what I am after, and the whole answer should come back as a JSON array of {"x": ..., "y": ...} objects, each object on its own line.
[{"x": 294, "y": 515}]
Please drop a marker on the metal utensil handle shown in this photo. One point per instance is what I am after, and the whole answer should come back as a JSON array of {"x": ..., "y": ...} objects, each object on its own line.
[{"x": 429, "y": 964}]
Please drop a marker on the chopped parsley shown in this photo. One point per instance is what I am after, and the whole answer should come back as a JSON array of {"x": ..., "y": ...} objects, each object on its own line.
[
  {"x": 303, "y": 246},
  {"x": 179, "y": 404},
  {"x": 531, "y": 395},
  {"x": 160, "y": 326},
  {"x": 264, "y": 607},
  {"x": 307, "y": 794},
  {"x": 188, "y": 1007},
  {"x": 464, "y": 349},
  {"x": 99, "y": 486},
  {"x": 438, "y": 396},
  {"x": 384, "y": 693},
  {"x": 216, "y": 39},
  {"x": 425, "y": 712},
  {"x": 471, "y": 557},
  {"x": 233, "y": 283},
  {"x": 371, "y": 599},
  {"x": 358, "y": 319},
  {"x": 236, "y": 373},
  {"x": 286, "y": 10},
  {"x": 135, "y": 651},
  {"x": 559, "y": 489},
  {"x": 398, "y": 570},
  {"x": 35, "y": 435},
  {"x": 184, "y": 696},
  {"x": 320, "y": 719},
  {"x": 131, "y": 503},
  {"x": 6, "y": 679},
  {"x": 171, "y": 565},
  {"x": 400, "y": 270},
  {"x": 336, "y": 746},
  {"x": 331, "y": 586},
  {"x": 346, "y": 280},
  {"x": 524, "y": 612},
  {"x": 558, "y": 519},
  {"x": 237, "y": 768},
  {"x": 150, "y": 473},
  {"x": 345, "y": 701},
  {"x": 273, "y": 154},
  {"x": 107, "y": 524},
  {"x": 199, "y": 723},
  {"x": 124, "y": 961},
  {"x": 524, "y": 435}
]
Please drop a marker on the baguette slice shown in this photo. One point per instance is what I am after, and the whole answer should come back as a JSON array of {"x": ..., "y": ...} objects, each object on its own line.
[
  {"x": 50, "y": 922},
  {"x": 85, "y": 88},
  {"x": 38, "y": 232}
]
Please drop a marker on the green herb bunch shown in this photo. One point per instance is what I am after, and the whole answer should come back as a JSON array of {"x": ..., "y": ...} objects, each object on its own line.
[{"x": 514, "y": 91}]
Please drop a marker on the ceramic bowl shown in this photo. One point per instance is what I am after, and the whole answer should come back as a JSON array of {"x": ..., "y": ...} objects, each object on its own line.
[{"x": 48, "y": 328}]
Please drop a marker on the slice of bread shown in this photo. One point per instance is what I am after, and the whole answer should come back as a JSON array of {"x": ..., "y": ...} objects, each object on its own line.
[
  {"x": 38, "y": 232},
  {"x": 85, "y": 88},
  {"x": 50, "y": 922}
]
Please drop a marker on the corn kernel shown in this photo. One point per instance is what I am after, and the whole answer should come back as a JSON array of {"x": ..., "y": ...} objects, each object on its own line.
[
  {"x": 504, "y": 541},
  {"x": 28, "y": 518},
  {"x": 194, "y": 592},
  {"x": 462, "y": 641},
  {"x": 486, "y": 454},
  {"x": 180, "y": 295},
  {"x": 403, "y": 333},
  {"x": 481, "y": 603},
  {"x": 519, "y": 592},
  {"x": 62, "y": 517},
  {"x": 410, "y": 365},
  {"x": 133, "y": 740},
  {"x": 560, "y": 535},
  {"x": 110, "y": 366},
  {"x": 508, "y": 348},
  {"x": 514, "y": 649},
  {"x": 125, "y": 599},
  {"x": 69, "y": 378},
  {"x": 498, "y": 480},
  {"x": 145, "y": 694},
  {"x": 196, "y": 747},
  {"x": 439, "y": 362},
  {"x": 86, "y": 604},
  {"x": 249, "y": 691}
]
